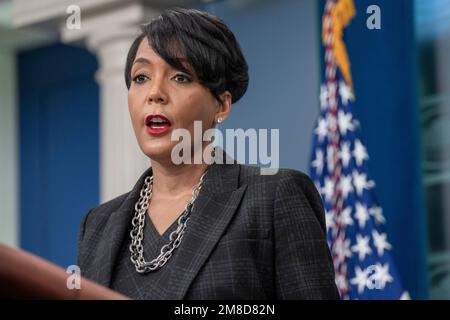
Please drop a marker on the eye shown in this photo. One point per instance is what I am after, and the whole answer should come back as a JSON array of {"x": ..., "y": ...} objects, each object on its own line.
[
  {"x": 140, "y": 78},
  {"x": 182, "y": 78}
]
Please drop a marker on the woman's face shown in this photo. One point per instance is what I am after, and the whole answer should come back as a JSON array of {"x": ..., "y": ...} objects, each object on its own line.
[{"x": 159, "y": 89}]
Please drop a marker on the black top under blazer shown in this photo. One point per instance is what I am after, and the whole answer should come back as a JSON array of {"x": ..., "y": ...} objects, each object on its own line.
[{"x": 250, "y": 236}]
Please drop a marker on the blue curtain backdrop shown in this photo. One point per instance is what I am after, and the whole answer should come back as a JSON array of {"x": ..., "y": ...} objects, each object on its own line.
[
  {"x": 59, "y": 148},
  {"x": 383, "y": 65}
]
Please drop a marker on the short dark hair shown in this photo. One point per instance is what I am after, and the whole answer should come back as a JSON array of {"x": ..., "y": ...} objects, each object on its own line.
[{"x": 204, "y": 41}]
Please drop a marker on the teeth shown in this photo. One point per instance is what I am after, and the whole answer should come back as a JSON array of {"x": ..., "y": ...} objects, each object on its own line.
[{"x": 158, "y": 120}]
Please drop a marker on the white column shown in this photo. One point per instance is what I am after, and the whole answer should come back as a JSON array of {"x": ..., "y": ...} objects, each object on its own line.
[
  {"x": 9, "y": 218},
  {"x": 121, "y": 160}
]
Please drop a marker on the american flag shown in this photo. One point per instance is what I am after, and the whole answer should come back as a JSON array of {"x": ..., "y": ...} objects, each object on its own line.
[{"x": 339, "y": 167}]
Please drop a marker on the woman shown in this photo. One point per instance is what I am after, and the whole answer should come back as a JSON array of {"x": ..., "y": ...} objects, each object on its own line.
[{"x": 200, "y": 230}]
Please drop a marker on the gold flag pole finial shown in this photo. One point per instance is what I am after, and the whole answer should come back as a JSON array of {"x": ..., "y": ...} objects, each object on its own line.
[{"x": 342, "y": 12}]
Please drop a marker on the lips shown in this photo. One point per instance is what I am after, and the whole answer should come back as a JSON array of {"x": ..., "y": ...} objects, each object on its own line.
[{"x": 157, "y": 124}]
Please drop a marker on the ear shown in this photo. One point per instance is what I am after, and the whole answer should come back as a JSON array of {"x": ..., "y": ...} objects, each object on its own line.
[{"x": 223, "y": 106}]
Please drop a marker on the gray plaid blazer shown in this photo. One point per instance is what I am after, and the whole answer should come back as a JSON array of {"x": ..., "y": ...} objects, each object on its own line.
[{"x": 250, "y": 236}]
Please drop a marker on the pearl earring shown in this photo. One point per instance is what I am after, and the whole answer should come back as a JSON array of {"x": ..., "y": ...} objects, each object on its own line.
[{"x": 219, "y": 120}]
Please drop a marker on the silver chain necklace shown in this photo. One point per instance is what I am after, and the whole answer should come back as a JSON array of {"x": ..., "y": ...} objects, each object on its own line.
[{"x": 138, "y": 222}]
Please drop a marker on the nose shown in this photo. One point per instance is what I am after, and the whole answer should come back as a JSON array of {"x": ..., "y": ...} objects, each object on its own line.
[{"x": 157, "y": 93}]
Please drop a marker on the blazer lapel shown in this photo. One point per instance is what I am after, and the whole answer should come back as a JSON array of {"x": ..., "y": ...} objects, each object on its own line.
[
  {"x": 212, "y": 212},
  {"x": 116, "y": 231}
]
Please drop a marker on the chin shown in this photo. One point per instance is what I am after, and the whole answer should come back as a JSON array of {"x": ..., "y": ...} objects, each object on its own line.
[{"x": 156, "y": 150}]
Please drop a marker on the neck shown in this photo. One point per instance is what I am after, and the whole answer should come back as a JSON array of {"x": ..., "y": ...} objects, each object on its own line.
[{"x": 169, "y": 178}]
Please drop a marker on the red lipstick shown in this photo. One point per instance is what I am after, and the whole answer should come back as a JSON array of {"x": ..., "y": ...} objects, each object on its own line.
[{"x": 157, "y": 124}]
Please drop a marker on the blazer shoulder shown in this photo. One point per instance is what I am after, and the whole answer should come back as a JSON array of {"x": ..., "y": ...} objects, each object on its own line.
[
  {"x": 109, "y": 206},
  {"x": 283, "y": 187},
  {"x": 100, "y": 214},
  {"x": 253, "y": 175}
]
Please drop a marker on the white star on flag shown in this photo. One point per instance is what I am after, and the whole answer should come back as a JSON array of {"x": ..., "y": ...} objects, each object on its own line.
[
  {"x": 361, "y": 183},
  {"x": 380, "y": 242},
  {"x": 360, "y": 152},
  {"x": 345, "y": 122},
  {"x": 328, "y": 189},
  {"x": 345, "y": 217},
  {"x": 342, "y": 249},
  {"x": 362, "y": 247},
  {"x": 346, "y": 93},
  {"x": 405, "y": 296},
  {"x": 318, "y": 162},
  {"x": 360, "y": 279},
  {"x": 341, "y": 282},
  {"x": 382, "y": 275},
  {"x": 322, "y": 129},
  {"x": 377, "y": 213},
  {"x": 345, "y": 154},
  {"x": 346, "y": 186},
  {"x": 361, "y": 214},
  {"x": 329, "y": 219}
]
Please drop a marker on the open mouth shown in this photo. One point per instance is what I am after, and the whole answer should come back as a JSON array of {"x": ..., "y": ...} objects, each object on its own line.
[{"x": 157, "y": 124}]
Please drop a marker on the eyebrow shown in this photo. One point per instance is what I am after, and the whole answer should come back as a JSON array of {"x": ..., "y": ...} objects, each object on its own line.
[
  {"x": 147, "y": 61},
  {"x": 142, "y": 60}
]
